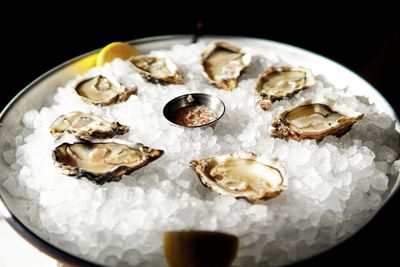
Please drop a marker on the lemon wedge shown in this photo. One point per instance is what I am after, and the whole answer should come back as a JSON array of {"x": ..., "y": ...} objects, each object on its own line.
[
  {"x": 86, "y": 63},
  {"x": 115, "y": 50},
  {"x": 200, "y": 248}
]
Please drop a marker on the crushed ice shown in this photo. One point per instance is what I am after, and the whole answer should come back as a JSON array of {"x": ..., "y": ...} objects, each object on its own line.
[{"x": 334, "y": 187}]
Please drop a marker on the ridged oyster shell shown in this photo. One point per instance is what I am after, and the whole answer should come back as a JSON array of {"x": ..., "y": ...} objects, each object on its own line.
[
  {"x": 223, "y": 64},
  {"x": 157, "y": 69},
  {"x": 315, "y": 119},
  {"x": 102, "y": 162},
  {"x": 276, "y": 83},
  {"x": 86, "y": 126},
  {"x": 242, "y": 175},
  {"x": 102, "y": 89}
]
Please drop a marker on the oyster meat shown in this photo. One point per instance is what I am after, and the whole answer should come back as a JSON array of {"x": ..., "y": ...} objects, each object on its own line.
[
  {"x": 242, "y": 175},
  {"x": 275, "y": 83},
  {"x": 315, "y": 119},
  {"x": 104, "y": 161},
  {"x": 223, "y": 64},
  {"x": 86, "y": 126},
  {"x": 102, "y": 90},
  {"x": 157, "y": 69}
]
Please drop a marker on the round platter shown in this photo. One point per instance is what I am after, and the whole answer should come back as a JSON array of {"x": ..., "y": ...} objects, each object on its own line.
[{"x": 40, "y": 92}]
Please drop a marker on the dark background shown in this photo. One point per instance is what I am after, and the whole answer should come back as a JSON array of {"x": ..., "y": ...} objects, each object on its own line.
[{"x": 365, "y": 40}]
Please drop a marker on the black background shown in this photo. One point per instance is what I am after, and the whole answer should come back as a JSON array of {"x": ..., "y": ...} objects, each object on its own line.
[{"x": 366, "y": 40}]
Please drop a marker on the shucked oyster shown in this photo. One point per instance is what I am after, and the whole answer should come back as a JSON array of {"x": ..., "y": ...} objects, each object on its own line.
[
  {"x": 157, "y": 69},
  {"x": 275, "y": 83},
  {"x": 102, "y": 90},
  {"x": 223, "y": 64},
  {"x": 102, "y": 162},
  {"x": 315, "y": 119},
  {"x": 86, "y": 126},
  {"x": 242, "y": 175}
]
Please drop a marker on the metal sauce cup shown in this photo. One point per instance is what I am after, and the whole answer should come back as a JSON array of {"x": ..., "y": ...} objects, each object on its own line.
[{"x": 195, "y": 99}]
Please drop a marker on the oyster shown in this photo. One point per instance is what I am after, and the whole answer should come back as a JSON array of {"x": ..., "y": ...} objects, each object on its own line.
[
  {"x": 315, "y": 119},
  {"x": 223, "y": 64},
  {"x": 241, "y": 175},
  {"x": 86, "y": 126},
  {"x": 157, "y": 69},
  {"x": 102, "y": 162},
  {"x": 275, "y": 83},
  {"x": 102, "y": 90}
]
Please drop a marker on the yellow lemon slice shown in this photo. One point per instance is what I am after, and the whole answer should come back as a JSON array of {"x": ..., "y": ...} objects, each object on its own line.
[
  {"x": 114, "y": 50},
  {"x": 200, "y": 248},
  {"x": 86, "y": 63}
]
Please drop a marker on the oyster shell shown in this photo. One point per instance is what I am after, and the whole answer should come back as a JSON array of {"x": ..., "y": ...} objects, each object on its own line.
[
  {"x": 275, "y": 83},
  {"x": 102, "y": 162},
  {"x": 242, "y": 175},
  {"x": 86, "y": 126},
  {"x": 157, "y": 69},
  {"x": 315, "y": 119},
  {"x": 102, "y": 90},
  {"x": 223, "y": 64}
]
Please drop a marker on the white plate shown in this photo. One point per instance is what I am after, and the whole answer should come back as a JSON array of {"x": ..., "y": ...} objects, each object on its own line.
[
  {"x": 41, "y": 91},
  {"x": 16, "y": 252}
]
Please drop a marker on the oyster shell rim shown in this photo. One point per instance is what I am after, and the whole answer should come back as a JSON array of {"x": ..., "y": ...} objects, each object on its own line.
[
  {"x": 310, "y": 81},
  {"x": 116, "y": 128},
  {"x": 122, "y": 96},
  {"x": 113, "y": 175},
  {"x": 246, "y": 60},
  {"x": 176, "y": 78},
  {"x": 199, "y": 166},
  {"x": 278, "y": 129}
]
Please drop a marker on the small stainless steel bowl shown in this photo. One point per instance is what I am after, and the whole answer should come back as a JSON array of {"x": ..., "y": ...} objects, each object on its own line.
[{"x": 207, "y": 100}]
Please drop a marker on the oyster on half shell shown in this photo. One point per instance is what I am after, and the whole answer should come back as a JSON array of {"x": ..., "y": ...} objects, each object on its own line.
[
  {"x": 223, "y": 64},
  {"x": 275, "y": 83},
  {"x": 157, "y": 69},
  {"x": 315, "y": 119},
  {"x": 86, "y": 126},
  {"x": 104, "y": 161},
  {"x": 242, "y": 175},
  {"x": 103, "y": 90}
]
